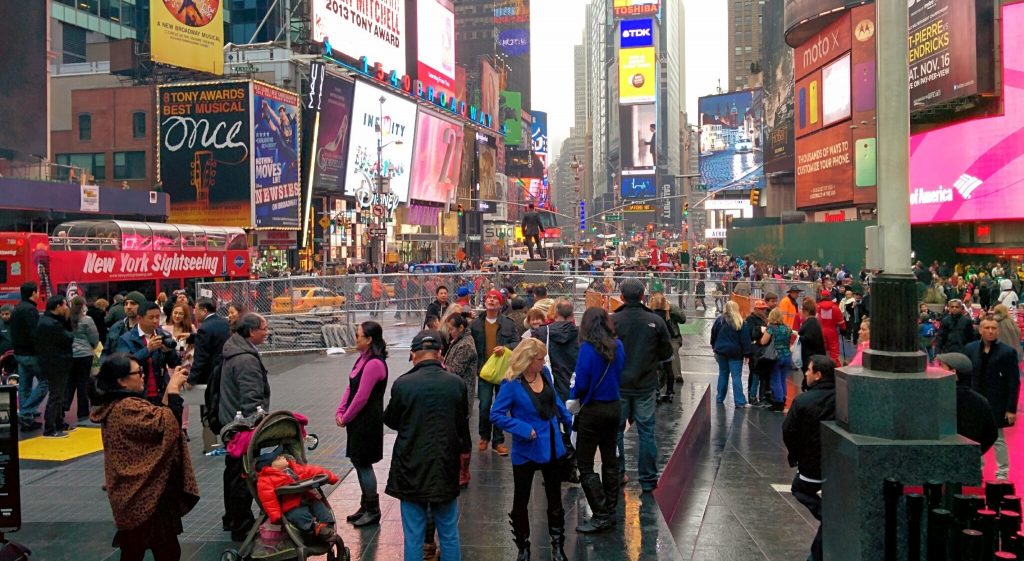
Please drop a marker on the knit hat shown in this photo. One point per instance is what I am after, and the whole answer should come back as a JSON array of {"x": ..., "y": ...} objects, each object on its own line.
[
  {"x": 632, "y": 290},
  {"x": 135, "y": 296},
  {"x": 496, "y": 294}
]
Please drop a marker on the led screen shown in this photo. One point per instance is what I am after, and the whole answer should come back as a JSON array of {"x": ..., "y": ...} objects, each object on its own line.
[
  {"x": 435, "y": 23},
  {"x": 374, "y": 29},
  {"x": 396, "y": 118},
  {"x": 835, "y": 95},
  {"x": 438, "y": 159}
]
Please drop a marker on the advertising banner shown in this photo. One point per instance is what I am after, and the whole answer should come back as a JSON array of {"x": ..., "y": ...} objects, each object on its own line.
[
  {"x": 827, "y": 45},
  {"x": 435, "y": 22},
  {"x": 511, "y": 111},
  {"x": 637, "y": 71},
  {"x": 396, "y": 118},
  {"x": 634, "y": 33},
  {"x": 972, "y": 171},
  {"x": 943, "y": 51},
  {"x": 514, "y": 42},
  {"x": 375, "y": 30},
  {"x": 486, "y": 170},
  {"x": 808, "y": 104},
  {"x": 108, "y": 266},
  {"x": 539, "y": 132},
  {"x": 188, "y": 33},
  {"x": 89, "y": 198},
  {"x": 204, "y": 152},
  {"x": 437, "y": 160},
  {"x": 332, "y": 142},
  {"x": 490, "y": 91},
  {"x": 863, "y": 93},
  {"x": 276, "y": 132},
  {"x": 824, "y": 170},
  {"x": 638, "y": 187},
  {"x": 778, "y": 90},
  {"x": 731, "y": 140},
  {"x": 626, "y": 8},
  {"x": 810, "y": 16},
  {"x": 638, "y": 136},
  {"x": 835, "y": 91}
]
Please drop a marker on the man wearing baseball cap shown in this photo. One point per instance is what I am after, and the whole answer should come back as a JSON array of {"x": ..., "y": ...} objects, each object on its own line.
[
  {"x": 429, "y": 408},
  {"x": 790, "y": 307},
  {"x": 494, "y": 334},
  {"x": 132, "y": 301}
]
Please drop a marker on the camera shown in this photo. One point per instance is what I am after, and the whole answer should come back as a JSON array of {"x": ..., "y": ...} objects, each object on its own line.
[{"x": 169, "y": 341}]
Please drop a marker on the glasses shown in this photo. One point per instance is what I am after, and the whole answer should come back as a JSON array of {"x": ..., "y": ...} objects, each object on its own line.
[{"x": 134, "y": 372}]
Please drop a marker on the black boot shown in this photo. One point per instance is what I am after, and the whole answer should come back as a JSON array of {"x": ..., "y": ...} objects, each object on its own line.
[
  {"x": 359, "y": 513},
  {"x": 372, "y": 513},
  {"x": 521, "y": 535},
  {"x": 594, "y": 491},
  {"x": 557, "y": 543},
  {"x": 610, "y": 482}
]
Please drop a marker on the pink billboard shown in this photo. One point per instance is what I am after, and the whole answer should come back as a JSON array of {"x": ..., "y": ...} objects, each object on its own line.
[
  {"x": 437, "y": 159},
  {"x": 974, "y": 170}
]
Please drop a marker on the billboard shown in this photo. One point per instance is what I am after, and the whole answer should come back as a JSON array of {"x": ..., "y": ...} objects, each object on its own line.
[
  {"x": 638, "y": 136},
  {"x": 486, "y": 171},
  {"x": 972, "y": 171},
  {"x": 435, "y": 38},
  {"x": 824, "y": 170},
  {"x": 626, "y": 8},
  {"x": 731, "y": 140},
  {"x": 490, "y": 91},
  {"x": 396, "y": 121},
  {"x": 778, "y": 90},
  {"x": 638, "y": 186},
  {"x": 204, "y": 163},
  {"x": 276, "y": 165},
  {"x": 637, "y": 71},
  {"x": 511, "y": 110},
  {"x": 332, "y": 142},
  {"x": 943, "y": 51},
  {"x": 375, "y": 30},
  {"x": 188, "y": 33},
  {"x": 804, "y": 18},
  {"x": 539, "y": 132},
  {"x": 808, "y": 104},
  {"x": 514, "y": 42},
  {"x": 24, "y": 79},
  {"x": 437, "y": 160},
  {"x": 634, "y": 33}
]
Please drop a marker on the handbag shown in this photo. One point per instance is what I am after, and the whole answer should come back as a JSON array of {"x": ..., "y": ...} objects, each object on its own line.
[
  {"x": 770, "y": 353},
  {"x": 494, "y": 369},
  {"x": 798, "y": 359}
]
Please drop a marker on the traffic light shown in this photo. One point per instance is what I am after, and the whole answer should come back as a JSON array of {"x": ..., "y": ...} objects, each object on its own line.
[
  {"x": 686, "y": 209},
  {"x": 650, "y": 228},
  {"x": 460, "y": 211},
  {"x": 755, "y": 197}
]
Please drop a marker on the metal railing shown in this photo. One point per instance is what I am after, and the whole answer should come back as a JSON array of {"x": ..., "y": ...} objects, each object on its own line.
[{"x": 315, "y": 313}]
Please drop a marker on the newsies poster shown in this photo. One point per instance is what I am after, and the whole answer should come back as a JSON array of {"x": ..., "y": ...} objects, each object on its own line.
[{"x": 276, "y": 194}]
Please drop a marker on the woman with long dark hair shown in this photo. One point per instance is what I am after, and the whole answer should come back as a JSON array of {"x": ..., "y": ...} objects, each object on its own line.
[
  {"x": 235, "y": 311},
  {"x": 83, "y": 351},
  {"x": 361, "y": 414},
  {"x": 147, "y": 467},
  {"x": 595, "y": 389}
]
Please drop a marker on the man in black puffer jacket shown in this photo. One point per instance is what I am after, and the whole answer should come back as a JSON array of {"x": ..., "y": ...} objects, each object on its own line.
[
  {"x": 54, "y": 340},
  {"x": 647, "y": 342},
  {"x": 801, "y": 432},
  {"x": 955, "y": 330}
]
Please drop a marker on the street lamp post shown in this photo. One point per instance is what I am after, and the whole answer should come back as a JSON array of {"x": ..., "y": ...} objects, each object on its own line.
[
  {"x": 380, "y": 221},
  {"x": 575, "y": 166}
]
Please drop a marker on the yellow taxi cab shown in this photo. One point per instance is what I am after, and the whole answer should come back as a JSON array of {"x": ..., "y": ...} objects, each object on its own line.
[{"x": 305, "y": 299}]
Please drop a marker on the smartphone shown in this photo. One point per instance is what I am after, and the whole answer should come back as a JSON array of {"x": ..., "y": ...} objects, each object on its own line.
[
  {"x": 814, "y": 101},
  {"x": 864, "y": 87},
  {"x": 803, "y": 108},
  {"x": 864, "y": 163}
]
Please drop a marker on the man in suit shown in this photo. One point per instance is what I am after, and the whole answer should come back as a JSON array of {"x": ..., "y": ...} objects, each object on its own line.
[
  {"x": 997, "y": 377},
  {"x": 213, "y": 332},
  {"x": 146, "y": 342},
  {"x": 532, "y": 229}
]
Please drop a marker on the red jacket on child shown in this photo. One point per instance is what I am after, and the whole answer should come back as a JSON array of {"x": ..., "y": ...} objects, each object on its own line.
[{"x": 271, "y": 478}]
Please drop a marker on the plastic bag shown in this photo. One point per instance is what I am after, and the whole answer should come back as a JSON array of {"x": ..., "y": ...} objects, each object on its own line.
[{"x": 495, "y": 367}]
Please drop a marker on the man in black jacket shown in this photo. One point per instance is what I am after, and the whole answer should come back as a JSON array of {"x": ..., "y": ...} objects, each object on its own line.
[
  {"x": 129, "y": 322},
  {"x": 24, "y": 320},
  {"x": 492, "y": 333},
  {"x": 974, "y": 417},
  {"x": 532, "y": 229},
  {"x": 956, "y": 329},
  {"x": 53, "y": 333},
  {"x": 997, "y": 377},
  {"x": 647, "y": 342},
  {"x": 801, "y": 432},
  {"x": 429, "y": 409},
  {"x": 439, "y": 307},
  {"x": 213, "y": 332}
]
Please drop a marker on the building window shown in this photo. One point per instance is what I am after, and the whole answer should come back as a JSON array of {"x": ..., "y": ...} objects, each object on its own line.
[
  {"x": 139, "y": 124},
  {"x": 74, "y": 43},
  {"x": 84, "y": 126},
  {"x": 129, "y": 165},
  {"x": 93, "y": 164}
]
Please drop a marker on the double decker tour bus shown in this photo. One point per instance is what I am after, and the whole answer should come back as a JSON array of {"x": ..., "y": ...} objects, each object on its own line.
[{"x": 95, "y": 258}]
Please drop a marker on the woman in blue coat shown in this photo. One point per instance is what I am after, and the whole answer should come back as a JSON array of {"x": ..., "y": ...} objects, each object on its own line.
[{"x": 530, "y": 410}]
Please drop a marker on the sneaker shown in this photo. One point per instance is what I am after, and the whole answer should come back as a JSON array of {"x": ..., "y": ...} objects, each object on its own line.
[
  {"x": 31, "y": 425},
  {"x": 67, "y": 428},
  {"x": 482, "y": 445},
  {"x": 55, "y": 434},
  {"x": 501, "y": 449}
]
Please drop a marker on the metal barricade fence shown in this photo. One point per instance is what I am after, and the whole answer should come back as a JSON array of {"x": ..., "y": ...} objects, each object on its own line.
[{"x": 316, "y": 313}]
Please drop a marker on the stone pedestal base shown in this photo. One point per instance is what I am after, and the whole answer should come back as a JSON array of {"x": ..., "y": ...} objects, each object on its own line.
[{"x": 854, "y": 467}]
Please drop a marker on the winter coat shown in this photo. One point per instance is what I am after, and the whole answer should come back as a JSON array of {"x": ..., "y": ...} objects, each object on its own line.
[
  {"x": 146, "y": 459},
  {"x": 955, "y": 332},
  {"x": 514, "y": 412},
  {"x": 436, "y": 308},
  {"x": 429, "y": 409},
  {"x": 831, "y": 320},
  {"x": 98, "y": 320},
  {"x": 1000, "y": 382},
  {"x": 243, "y": 380},
  {"x": 114, "y": 333},
  {"x": 728, "y": 341},
  {"x": 1009, "y": 334},
  {"x": 646, "y": 339},
  {"x": 86, "y": 338},
  {"x": 974, "y": 418},
  {"x": 461, "y": 358},
  {"x": 162, "y": 358},
  {"x": 213, "y": 332},
  {"x": 801, "y": 431},
  {"x": 508, "y": 336},
  {"x": 270, "y": 479},
  {"x": 562, "y": 340},
  {"x": 812, "y": 340},
  {"x": 54, "y": 342},
  {"x": 24, "y": 319}
]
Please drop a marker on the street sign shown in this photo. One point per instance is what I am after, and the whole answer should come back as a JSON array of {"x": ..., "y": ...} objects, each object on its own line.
[
  {"x": 325, "y": 222},
  {"x": 613, "y": 218},
  {"x": 378, "y": 210},
  {"x": 379, "y": 232}
]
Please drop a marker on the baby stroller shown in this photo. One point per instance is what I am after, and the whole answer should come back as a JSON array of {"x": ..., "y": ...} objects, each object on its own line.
[
  {"x": 284, "y": 429},
  {"x": 8, "y": 368}
]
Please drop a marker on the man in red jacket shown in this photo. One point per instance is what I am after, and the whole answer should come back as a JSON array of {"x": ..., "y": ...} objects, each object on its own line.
[
  {"x": 306, "y": 511},
  {"x": 831, "y": 319}
]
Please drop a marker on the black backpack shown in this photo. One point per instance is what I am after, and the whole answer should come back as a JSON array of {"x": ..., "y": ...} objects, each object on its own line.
[{"x": 212, "y": 399}]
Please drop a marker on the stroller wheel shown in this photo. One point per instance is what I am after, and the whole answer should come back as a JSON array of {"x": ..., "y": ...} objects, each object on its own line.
[{"x": 230, "y": 555}]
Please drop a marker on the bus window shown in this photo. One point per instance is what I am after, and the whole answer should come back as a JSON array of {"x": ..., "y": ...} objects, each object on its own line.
[
  {"x": 3, "y": 272},
  {"x": 237, "y": 241},
  {"x": 216, "y": 239}
]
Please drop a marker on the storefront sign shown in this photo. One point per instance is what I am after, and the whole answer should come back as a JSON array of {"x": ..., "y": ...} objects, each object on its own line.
[
  {"x": 277, "y": 238},
  {"x": 716, "y": 233},
  {"x": 90, "y": 198}
]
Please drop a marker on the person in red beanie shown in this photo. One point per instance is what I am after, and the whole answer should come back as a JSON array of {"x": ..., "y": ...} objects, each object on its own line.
[{"x": 493, "y": 333}]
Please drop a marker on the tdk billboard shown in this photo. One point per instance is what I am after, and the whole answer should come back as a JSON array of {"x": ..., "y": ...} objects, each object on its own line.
[{"x": 636, "y": 33}]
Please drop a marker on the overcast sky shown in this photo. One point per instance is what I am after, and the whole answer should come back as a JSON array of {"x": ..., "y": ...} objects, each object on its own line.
[{"x": 556, "y": 26}]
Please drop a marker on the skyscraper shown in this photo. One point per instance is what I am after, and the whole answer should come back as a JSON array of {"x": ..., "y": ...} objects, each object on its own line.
[
  {"x": 744, "y": 43},
  {"x": 498, "y": 31}
]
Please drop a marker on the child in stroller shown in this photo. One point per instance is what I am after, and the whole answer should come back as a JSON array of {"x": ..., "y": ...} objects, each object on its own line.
[{"x": 306, "y": 512}]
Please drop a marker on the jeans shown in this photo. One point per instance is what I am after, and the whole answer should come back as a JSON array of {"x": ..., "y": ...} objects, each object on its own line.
[
  {"x": 487, "y": 392},
  {"x": 779, "y": 373},
  {"x": 1002, "y": 456},
  {"x": 29, "y": 398},
  {"x": 807, "y": 493},
  {"x": 641, "y": 411},
  {"x": 309, "y": 514},
  {"x": 730, "y": 368},
  {"x": 414, "y": 525},
  {"x": 522, "y": 477},
  {"x": 367, "y": 479}
]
